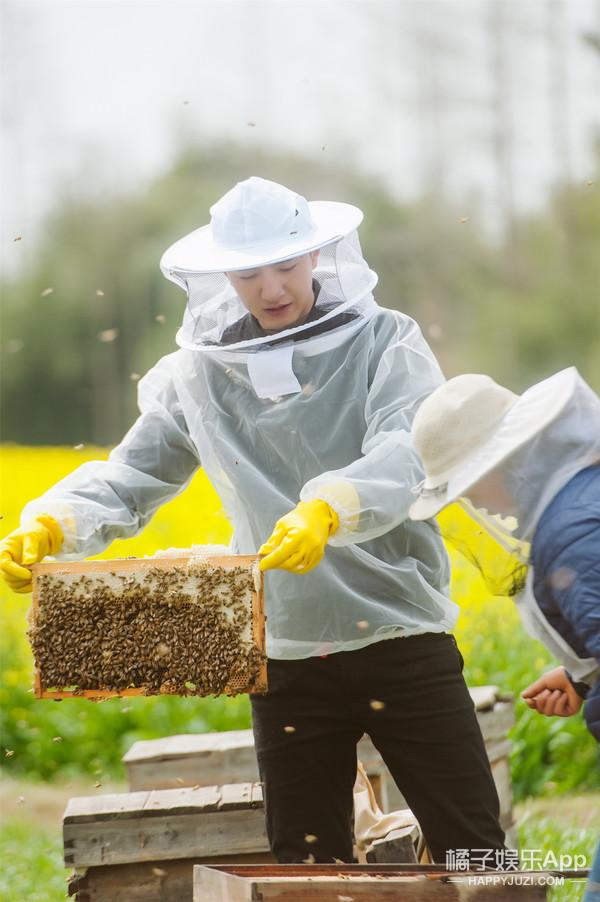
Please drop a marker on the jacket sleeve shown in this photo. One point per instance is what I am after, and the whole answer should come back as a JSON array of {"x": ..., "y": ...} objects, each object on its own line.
[
  {"x": 373, "y": 494},
  {"x": 580, "y": 606},
  {"x": 105, "y": 500},
  {"x": 570, "y": 582}
]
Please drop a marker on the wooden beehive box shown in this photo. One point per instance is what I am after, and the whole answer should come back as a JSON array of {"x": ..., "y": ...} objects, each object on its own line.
[
  {"x": 359, "y": 883},
  {"x": 143, "y": 846},
  {"x": 189, "y": 624}
]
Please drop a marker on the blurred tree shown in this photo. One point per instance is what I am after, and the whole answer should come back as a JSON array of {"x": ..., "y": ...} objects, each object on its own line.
[
  {"x": 559, "y": 88},
  {"x": 94, "y": 310}
]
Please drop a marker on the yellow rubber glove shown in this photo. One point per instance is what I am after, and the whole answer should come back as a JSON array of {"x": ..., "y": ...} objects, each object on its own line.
[
  {"x": 25, "y": 546},
  {"x": 299, "y": 538}
]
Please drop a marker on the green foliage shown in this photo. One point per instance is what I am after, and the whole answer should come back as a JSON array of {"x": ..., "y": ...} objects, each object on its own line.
[
  {"x": 558, "y": 832},
  {"x": 32, "y": 866},
  {"x": 519, "y": 311},
  {"x": 550, "y": 755},
  {"x": 540, "y": 308}
]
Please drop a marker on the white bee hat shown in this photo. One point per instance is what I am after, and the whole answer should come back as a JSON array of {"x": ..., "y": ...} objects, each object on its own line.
[
  {"x": 257, "y": 223},
  {"x": 469, "y": 425}
]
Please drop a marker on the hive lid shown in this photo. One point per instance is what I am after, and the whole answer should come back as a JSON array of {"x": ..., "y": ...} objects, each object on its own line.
[
  {"x": 159, "y": 802},
  {"x": 191, "y": 744}
]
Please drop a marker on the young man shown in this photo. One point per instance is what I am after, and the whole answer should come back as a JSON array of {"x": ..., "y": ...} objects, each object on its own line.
[{"x": 295, "y": 391}]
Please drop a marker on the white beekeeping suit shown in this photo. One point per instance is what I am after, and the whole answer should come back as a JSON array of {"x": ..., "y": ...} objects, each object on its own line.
[
  {"x": 533, "y": 444},
  {"x": 320, "y": 410}
]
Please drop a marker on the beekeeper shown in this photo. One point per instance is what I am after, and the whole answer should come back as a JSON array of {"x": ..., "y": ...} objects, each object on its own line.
[
  {"x": 295, "y": 392},
  {"x": 534, "y": 461},
  {"x": 514, "y": 482}
]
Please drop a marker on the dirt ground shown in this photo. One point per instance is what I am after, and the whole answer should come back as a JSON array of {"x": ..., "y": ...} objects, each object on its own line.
[{"x": 44, "y": 803}]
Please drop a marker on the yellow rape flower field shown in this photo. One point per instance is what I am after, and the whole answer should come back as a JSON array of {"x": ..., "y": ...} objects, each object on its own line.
[
  {"x": 551, "y": 756},
  {"x": 489, "y": 633}
]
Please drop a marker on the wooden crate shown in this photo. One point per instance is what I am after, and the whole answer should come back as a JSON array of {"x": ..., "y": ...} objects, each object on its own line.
[
  {"x": 142, "y": 846},
  {"x": 154, "y": 617},
  {"x": 190, "y": 759},
  {"x": 356, "y": 883},
  {"x": 148, "y": 881}
]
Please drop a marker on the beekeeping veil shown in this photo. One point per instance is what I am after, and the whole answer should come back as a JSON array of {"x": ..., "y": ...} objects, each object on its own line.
[
  {"x": 493, "y": 462},
  {"x": 260, "y": 223}
]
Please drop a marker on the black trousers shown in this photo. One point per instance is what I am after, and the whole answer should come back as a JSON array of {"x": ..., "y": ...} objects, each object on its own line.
[{"x": 410, "y": 696}]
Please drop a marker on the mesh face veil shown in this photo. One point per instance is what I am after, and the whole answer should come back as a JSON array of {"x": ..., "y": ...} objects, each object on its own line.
[{"x": 344, "y": 301}]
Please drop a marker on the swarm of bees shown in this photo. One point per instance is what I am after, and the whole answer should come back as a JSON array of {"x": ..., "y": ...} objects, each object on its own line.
[{"x": 185, "y": 630}]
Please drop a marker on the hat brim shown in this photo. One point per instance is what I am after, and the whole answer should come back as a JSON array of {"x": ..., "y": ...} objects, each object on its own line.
[
  {"x": 530, "y": 415},
  {"x": 198, "y": 253}
]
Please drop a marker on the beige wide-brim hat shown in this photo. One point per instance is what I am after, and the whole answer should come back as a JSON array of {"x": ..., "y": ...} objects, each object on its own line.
[
  {"x": 469, "y": 425},
  {"x": 259, "y": 222}
]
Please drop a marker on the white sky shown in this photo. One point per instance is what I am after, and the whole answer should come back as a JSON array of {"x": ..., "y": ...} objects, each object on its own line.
[{"x": 402, "y": 88}]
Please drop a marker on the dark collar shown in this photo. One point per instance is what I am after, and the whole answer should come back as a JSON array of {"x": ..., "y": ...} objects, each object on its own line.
[{"x": 248, "y": 327}]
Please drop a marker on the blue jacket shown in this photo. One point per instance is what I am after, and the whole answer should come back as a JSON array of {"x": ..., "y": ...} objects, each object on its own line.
[{"x": 567, "y": 539}]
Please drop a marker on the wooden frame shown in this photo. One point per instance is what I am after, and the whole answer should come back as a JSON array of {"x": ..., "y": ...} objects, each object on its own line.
[{"x": 130, "y": 565}]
